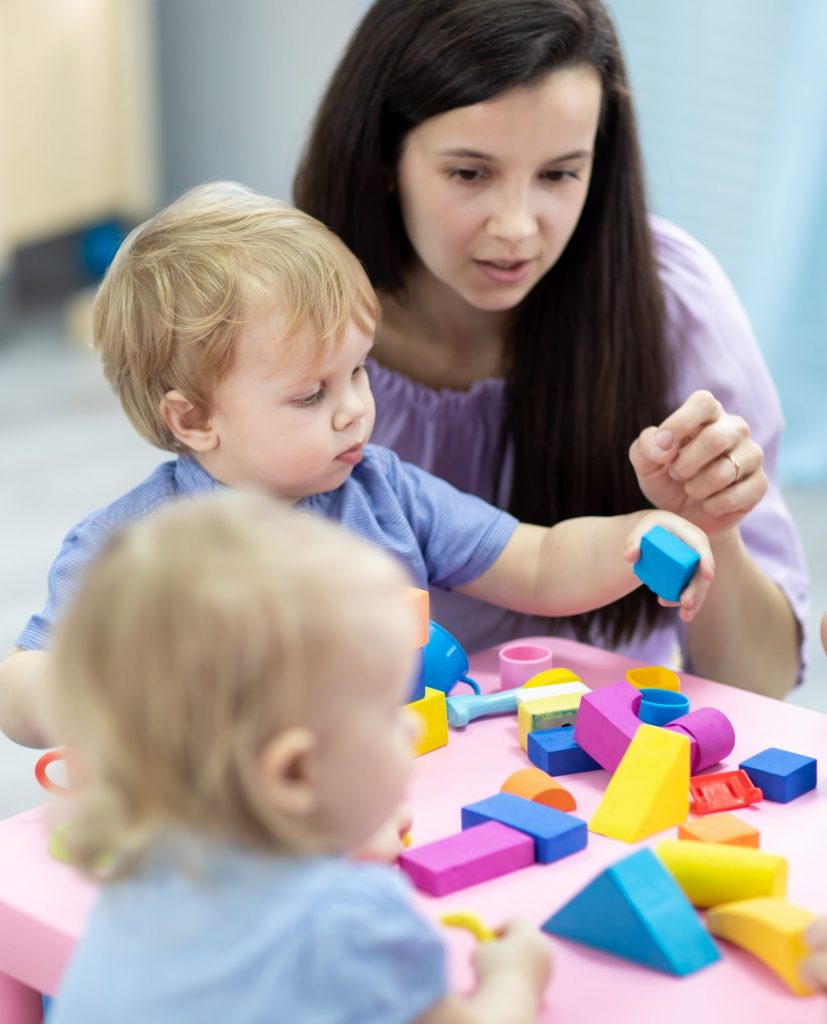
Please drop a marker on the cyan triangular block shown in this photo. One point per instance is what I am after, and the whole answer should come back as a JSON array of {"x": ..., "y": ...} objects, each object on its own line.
[{"x": 636, "y": 910}]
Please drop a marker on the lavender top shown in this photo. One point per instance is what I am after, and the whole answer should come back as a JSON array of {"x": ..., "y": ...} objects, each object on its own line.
[{"x": 454, "y": 434}]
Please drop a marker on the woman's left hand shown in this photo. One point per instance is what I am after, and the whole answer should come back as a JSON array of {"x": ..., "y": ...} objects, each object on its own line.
[{"x": 703, "y": 463}]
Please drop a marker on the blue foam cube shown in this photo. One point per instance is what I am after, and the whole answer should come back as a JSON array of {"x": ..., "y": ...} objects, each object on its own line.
[
  {"x": 555, "y": 751},
  {"x": 780, "y": 774},
  {"x": 555, "y": 833},
  {"x": 666, "y": 564}
]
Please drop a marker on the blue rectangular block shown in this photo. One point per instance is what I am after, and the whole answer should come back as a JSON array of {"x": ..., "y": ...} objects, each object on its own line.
[
  {"x": 666, "y": 564},
  {"x": 780, "y": 774},
  {"x": 555, "y": 833},
  {"x": 555, "y": 751}
]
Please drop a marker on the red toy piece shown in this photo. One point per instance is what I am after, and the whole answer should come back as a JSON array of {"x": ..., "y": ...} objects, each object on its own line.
[{"x": 722, "y": 791}]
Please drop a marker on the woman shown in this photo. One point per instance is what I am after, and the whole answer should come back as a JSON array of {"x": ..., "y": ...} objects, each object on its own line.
[{"x": 481, "y": 159}]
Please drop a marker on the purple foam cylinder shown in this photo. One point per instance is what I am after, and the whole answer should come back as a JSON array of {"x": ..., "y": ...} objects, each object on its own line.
[
  {"x": 471, "y": 856},
  {"x": 606, "y": 722},
  {"x": 710, "y": 733}
]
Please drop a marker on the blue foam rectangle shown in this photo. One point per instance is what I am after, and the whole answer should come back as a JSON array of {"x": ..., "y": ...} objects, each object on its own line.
[
  {"x": 557, "y": 753},
  {"x": 781, "y": 775},
  {"x": 666, "y": 564},
  {"x": 555, "y": 833}
]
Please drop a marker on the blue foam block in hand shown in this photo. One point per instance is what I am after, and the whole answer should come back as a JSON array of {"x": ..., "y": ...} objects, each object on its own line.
[{"x": 666, "y": 564}]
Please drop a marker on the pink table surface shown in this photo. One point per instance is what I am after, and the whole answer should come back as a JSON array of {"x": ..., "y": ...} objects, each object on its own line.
[{"x": 44, "y": 904}]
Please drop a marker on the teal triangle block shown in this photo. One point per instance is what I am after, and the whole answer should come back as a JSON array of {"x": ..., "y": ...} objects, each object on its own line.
[{"x": 636, "y": 910}]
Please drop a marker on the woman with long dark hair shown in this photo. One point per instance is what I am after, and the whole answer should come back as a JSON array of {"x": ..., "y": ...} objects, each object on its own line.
[{"x": 539, "y": 327}]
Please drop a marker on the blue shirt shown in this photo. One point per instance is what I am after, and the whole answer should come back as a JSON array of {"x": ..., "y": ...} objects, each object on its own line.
[
  {"x": 235, "y": 936},
  {"x": 444, "y": 537}
]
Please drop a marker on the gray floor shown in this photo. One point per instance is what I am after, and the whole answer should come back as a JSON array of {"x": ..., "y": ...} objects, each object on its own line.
[{"x": 66, "y": 448}]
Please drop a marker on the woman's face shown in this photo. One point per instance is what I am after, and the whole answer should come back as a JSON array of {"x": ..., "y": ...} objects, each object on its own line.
[{"x": 491, "y": 193}]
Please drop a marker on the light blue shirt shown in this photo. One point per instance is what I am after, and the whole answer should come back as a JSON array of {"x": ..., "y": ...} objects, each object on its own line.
[
  {"x": 444, "y": 537},
  {"x": 246, "y": 938}
]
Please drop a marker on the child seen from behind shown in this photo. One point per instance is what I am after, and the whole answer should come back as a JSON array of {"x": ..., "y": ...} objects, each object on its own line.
[{"x": 231, "y": 680}]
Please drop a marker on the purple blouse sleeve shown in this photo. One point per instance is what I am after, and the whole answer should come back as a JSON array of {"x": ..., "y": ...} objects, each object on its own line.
[{"x": 714, "y": 348}]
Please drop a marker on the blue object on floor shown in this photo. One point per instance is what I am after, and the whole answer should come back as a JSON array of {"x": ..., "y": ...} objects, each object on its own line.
[
  {"x": 666, "y": 564},
  {"x": 781, "y": 775}
]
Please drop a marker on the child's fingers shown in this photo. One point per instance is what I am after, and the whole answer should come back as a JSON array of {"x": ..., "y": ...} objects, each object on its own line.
[{"x": 693, "y": 597}]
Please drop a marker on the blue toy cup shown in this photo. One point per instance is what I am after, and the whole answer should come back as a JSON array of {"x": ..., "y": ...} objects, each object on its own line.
[
  {"x": 657, "y": 707},
  {"x": 444, "y": 661}
]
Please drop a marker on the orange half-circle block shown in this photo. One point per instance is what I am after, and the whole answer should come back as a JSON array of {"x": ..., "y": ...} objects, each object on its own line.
[
  {"x": 534, "y": 784},
  {"x": 420, "y": 604}
]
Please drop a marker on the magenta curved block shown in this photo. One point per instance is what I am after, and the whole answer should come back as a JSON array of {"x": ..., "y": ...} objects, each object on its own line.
[
  {"x": 606, "y": 722},
  {"x": 710, "y": 734}
]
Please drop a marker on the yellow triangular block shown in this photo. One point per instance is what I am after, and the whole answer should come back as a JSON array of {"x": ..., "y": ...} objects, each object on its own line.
[
  {"x": 649, "y": 792},
  {"x": 713, "y": 873},
  {"x": 770, "y": 929}
]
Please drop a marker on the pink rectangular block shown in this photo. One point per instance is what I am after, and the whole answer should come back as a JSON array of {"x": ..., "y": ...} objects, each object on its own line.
[{"x": 469, "y": 857}]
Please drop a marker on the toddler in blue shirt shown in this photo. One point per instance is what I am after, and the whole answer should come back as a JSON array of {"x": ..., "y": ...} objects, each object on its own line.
[
  {"x": 235, "y": 331},
  {"x": 231, "y": 680}
]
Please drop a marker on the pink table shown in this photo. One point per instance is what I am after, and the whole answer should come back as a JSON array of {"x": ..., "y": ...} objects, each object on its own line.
[{"x": 43, "y": 904}]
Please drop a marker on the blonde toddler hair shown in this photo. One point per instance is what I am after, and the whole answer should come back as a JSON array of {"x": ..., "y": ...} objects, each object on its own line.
[
  {"x": 184, "y": 283},
  {"x": 197, "y": 636}
]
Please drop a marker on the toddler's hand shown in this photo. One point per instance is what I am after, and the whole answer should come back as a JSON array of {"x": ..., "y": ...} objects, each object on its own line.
[
  {"x": 814, "y": 968},
  {"x": 389, "y": 841},
  {"x": 696, "y": 590},
  {"x": 521, "y": 948}
]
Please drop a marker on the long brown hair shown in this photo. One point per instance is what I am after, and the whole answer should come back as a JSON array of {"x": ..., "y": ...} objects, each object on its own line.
[{"x": 588, "y": 366}]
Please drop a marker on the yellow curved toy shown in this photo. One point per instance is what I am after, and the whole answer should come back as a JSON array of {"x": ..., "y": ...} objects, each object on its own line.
[
  {"x": 552, "y": 676},
  {"x": 653, "y": 677},
  {"x": 464, "y": 919},
  {"x": 770, "y": 929}
]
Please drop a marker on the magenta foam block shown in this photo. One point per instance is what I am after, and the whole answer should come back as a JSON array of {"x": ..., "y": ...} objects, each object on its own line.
[
  {"x": 710, "y": 734},
  {"x": 471, "y": 856},
  {"x": 606, "y": 722}
]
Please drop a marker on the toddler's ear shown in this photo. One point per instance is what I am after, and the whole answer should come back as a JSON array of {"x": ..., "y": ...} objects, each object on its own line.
[
  {"x": 824, "y": 632},
  {"x": 187, "y": 423},
  {"x": 286, "y": 769}
]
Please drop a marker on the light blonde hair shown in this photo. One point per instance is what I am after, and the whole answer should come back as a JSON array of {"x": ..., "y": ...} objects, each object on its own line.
[
  {"x": 184, "y": 283},
  {"x": 197, "y": 636}
]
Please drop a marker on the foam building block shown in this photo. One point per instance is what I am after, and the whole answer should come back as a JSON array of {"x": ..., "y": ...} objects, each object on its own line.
[
  {"x": 772, "y": 930},
  {"x": 649, "y": 792},
  {"x": 635, "y": 910},
  {"x": 433, "y": 721},
  {"x": 720, "y": 828},
  {"x": 666, "y": 564},
  {"x": 535, "y": 784},
  {"x": 555, "y": 833},
  {"x": 710, "y": 733},
  {"x": 546, "y": 713},
  {"x": 781, "y": 775},
  {"x": 419, "y": 603},
  {"x": 713, "y": 873},
  {"x": 552, "y": 677},
  {"x": 556, "y": 752},
  {"x": 530, "y": 692},
  {"x": 606, "y": 722},
  {"x": 722, "y": 791},
  {"x": 469, "y": 857},
  {"x": 653, "y": 677}
]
